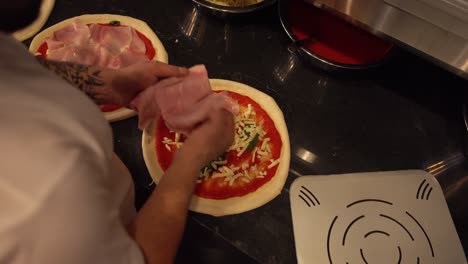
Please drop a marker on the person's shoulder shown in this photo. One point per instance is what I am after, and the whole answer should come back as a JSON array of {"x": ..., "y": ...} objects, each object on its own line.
[
  {"x": 34, "y": 97},
  {"x": 49, "y": 130}
]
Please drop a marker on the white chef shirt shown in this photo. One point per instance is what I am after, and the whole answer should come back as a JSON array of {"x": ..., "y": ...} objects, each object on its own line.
[{"x": 63, "y": 193}]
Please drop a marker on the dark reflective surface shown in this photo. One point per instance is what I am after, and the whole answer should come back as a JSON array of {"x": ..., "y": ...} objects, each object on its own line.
[{"x": 406, "y": 115}]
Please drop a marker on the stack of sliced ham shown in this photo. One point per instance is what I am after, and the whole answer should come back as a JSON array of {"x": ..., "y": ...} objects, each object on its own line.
[
  {"x": 102, "y": 45},
  {"x": 182, "y": 102}
]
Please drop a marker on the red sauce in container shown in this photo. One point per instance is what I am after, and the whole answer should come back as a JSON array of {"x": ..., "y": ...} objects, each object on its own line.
[{"x": 333, "y": 38}]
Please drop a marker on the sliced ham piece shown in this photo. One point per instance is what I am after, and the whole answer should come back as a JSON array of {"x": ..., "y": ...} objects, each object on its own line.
[
  {"x": 175, "y": 96},
  {"x": 182, "y": 102},
  {"x": 83, "y": 55},
  {"x": 106, "y": 58},
  {"x": 114, "y": 39},
  {"x": 129, "y": 57},
  {"x": 76, "y": 33},
  {"x": 64, "y": 43},
  {"x": 137, "y": 45},
  {"x": 53, "y": 44},
  {"x": 62, "y": 54},
  {"x": 107, "y": 46}
]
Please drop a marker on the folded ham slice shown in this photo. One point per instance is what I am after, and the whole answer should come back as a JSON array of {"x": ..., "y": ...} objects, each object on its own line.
[
  {"x": 76, "y": 33},
  {"x": 183, "y": 102},
  {"x": 83, "y": 55},
  {"x": 102, "y": 45}
]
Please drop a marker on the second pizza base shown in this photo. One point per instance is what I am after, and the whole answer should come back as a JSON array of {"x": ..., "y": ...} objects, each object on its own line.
[
  {"x": 252, "y": 200},
  {"x": 31, "y": 30}
]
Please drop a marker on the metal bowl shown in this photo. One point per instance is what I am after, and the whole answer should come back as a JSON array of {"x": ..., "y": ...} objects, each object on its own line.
[{"x": 225, "y": 11}]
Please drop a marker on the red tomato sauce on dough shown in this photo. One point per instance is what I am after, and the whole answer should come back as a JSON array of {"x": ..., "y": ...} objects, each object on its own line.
[
  {"x": 109, "y": 107},
  {"x": 218, "y": 188},
  {"x": 150, "y": 53}
]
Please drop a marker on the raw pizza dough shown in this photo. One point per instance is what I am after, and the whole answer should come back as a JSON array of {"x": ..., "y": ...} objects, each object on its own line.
[
  {"x": 31, "y": 30},
  {"x": 250, "y": 201},
  {"x": 141, "y": 26}
]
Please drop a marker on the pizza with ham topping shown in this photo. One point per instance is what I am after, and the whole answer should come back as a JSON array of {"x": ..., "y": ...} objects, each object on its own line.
[
  {"x": 252, "y": 171},
  {"x": 105, "y": 40}
]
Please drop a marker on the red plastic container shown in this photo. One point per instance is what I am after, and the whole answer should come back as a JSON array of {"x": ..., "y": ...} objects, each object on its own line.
[{"x": 329, "y": 41}]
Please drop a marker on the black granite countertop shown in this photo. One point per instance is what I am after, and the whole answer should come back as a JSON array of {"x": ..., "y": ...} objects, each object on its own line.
[{"x": 406, "y": 115}]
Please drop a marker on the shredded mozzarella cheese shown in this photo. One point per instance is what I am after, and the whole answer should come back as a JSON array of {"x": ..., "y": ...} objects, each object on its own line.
[
  {"x": 274, "y": 163},
  {"x": 247, "y": 132}
]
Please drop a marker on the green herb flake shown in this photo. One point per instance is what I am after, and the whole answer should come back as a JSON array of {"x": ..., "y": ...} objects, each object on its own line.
[
  {"x": 114, "y": 23},
  {"x": 253, "y": 143},
  {"x": 210, "y": 168}
]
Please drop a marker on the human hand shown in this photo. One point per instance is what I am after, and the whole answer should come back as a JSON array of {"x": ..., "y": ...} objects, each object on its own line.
[
  {"x": 210, "y": 139},
  {"x": 127, "y": 82}
]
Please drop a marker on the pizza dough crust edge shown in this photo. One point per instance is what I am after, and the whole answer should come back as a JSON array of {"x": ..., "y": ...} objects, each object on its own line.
[
  {"x": 250, "y": 201},
  {"x": 119, "y": 114},
  {"x": 141, "y": 26},
  {"x": 44, "y": 13}
]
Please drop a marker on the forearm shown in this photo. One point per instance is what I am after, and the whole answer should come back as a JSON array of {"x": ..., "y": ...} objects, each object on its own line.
[
  {"x": 159, "y": 226},
  {"x": 94, "y": 81}
]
